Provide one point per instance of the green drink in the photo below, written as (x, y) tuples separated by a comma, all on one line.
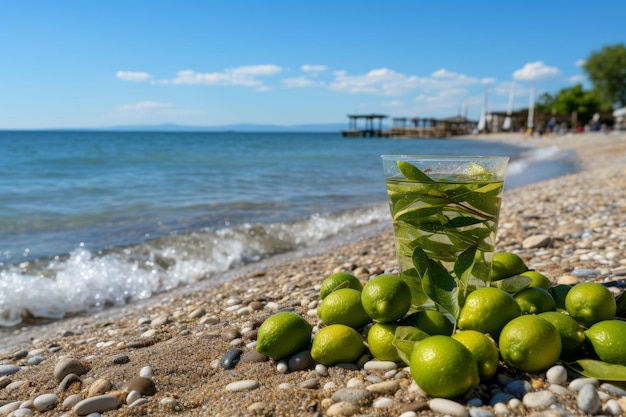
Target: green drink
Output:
[(444, 211)]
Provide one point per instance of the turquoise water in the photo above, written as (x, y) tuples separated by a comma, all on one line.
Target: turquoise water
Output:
[(100, 218)]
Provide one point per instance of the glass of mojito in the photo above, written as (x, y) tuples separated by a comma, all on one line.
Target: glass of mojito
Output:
[(444, 212)]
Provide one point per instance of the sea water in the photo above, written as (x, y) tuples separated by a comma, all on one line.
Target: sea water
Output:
[(90, 219)]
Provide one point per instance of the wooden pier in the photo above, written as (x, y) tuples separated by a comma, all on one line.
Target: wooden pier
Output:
[(370, 129), (404, 127)]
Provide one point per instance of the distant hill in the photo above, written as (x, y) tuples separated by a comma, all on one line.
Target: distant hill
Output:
[(241, 127)]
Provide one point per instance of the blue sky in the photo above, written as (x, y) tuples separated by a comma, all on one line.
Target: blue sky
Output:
[(207, 63)]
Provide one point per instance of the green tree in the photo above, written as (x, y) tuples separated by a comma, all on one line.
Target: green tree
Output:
[(570, 100), (606, 69)]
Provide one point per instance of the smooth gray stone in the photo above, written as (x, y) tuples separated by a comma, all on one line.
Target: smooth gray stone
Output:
[(97, 404), (9, 369)]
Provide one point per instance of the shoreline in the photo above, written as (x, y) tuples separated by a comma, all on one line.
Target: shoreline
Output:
[(181, 335)]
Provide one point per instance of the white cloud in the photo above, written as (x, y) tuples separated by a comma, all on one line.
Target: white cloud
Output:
[(385, 81), (239, 76), (297, 82), (444, 73), (143, 105), (577, 79), (581, 62), (536, 71), (134, 76), (313, 68)]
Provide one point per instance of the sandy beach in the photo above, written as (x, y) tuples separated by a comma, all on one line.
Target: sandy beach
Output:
[(571, 228)]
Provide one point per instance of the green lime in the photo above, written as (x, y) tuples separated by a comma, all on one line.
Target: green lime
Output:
[(380, 339), (484, 350), (607, 339), (283, 334), (505, 265), (337, 343), (386, 298), (590, 302), (443, 367), (534, 300), (343, 307), (488, 310), (572, 334), (538, 279), (337, 281), (530, 343), (432, 322)]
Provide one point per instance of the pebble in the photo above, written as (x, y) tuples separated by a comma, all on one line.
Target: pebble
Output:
[(9, 408), (501, 408), (300, 361), (35, 360), (480, 412), (588, 399), (613, 389), (138, 402), (380, 366), (7, 370), (254, 356), (143, 385), (557, 375), (383, 388), (231, 359), (243, 385), (146, 372), (120, 359), (352, 395), (170, 403), (539, 399), (98, 404), (537, 241), (68, 366), (612, 408), (343, 409), (132, 397), (67, 382), (584, 273), (448, 407), (310, 383), (45, 402), (99, 386), (500, 397), (322, 370), (578, 383), (518, 387), (383, 402), (560, 390), (71, 400)]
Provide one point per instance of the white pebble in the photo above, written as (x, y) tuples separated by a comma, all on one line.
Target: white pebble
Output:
[(578, 383), (282, 367), (501, 408), (285, 385), (343, 408), (243, 385), (146, 372), (383, 402), (148, 333), (45, 402), (444, 406), (132, 397), (355, 383), (588, 399), (560, 390), (557, 375), (330, 385), (71, 401), (380, 366), (409, 414), (539, 399), (321, 370), (612, 408)]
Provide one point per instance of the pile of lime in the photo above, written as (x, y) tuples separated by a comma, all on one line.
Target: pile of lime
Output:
[(519, 321)]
